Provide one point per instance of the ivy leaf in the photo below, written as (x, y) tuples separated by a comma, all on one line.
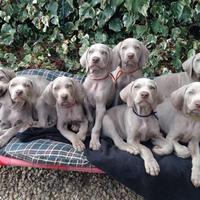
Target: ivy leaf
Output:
[(115, 25), (86, 12), (191, 53), (100, 37), (52, 7), (7, 34)]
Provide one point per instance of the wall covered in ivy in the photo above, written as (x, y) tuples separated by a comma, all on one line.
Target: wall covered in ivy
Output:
[(54, 33)]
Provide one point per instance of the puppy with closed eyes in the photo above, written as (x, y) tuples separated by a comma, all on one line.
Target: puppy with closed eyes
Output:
[(136, 122), (179, 118), (131, 57), (69, 98), (98, 61)]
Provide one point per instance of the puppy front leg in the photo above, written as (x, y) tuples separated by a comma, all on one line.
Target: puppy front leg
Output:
[(150, 163), (11, 132), (94, 142), (72, 137), (83, 130), (86, 105), (195, 154)]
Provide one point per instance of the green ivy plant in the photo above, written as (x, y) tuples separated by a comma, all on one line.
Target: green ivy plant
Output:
[(53, 34)]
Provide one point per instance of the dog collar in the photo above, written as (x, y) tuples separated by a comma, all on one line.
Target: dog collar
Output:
[(121, 71), (150, 114)]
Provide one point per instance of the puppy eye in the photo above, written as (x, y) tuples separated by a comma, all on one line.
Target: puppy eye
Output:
[(26, 85), (136, 86), (68, 86), (124, 48), (56, 88), (2, 77), (103, 52), (191, 92), (91, 51), (152, 88), (198, 60), (12, 85), (137, 47)]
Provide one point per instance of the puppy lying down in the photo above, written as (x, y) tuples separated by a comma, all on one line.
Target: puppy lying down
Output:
[(136, 122), (179, 117)]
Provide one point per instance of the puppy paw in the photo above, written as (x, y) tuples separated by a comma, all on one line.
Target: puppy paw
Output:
[(195, 178), (130, 148), (78, 145), (81, 136), (95, 144), (165, 150), (182, 151), (3, 141), (152, 167), (75, 127)]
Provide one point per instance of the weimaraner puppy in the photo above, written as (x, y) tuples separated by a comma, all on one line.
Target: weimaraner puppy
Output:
[(19, 108), (131, 57), (5, 76), (179, 117), (136, 122), (100, 88), (69, 97), (21, 102), (170, 82)]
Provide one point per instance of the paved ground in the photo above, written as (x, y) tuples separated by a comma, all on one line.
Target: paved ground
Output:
[(35, 184)]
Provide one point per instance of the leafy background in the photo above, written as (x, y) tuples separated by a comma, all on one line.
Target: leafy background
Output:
[(53, 34)]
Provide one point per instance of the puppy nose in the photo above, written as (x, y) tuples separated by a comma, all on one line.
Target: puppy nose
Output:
[(64, 97), (197, 104), (1, 91), (130, 55), (95, 59), (19, 92), (144, 94)]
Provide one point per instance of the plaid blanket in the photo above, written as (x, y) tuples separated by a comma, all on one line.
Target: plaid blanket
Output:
[(49, 75)]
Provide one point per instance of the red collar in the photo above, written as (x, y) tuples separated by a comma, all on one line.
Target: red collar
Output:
[(100, 78), (121, 71)]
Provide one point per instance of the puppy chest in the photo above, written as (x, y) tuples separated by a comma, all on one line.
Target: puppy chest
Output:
[(147, 129), (71, 115)]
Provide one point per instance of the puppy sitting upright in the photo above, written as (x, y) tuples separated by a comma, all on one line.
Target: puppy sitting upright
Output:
[(98, 84), (136, 122), (70, 100), (131, 57), (180, 119)]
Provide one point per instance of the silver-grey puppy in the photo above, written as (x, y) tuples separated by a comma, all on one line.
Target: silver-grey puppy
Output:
[(136, 122), (179, 117), (100, 88), (69, 98), (131, 57)]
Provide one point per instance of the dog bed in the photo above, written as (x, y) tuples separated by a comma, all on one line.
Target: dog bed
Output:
[(47, 148)]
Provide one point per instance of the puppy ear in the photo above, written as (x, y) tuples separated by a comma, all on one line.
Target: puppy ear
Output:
[(8, 73), (177, 97), (47, 95), (116, 56), (79, 91), (188, 66), (144, 55), (83, 59), (126, 94)]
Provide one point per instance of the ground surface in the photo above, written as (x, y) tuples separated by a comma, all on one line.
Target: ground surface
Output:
[(35, 184)]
